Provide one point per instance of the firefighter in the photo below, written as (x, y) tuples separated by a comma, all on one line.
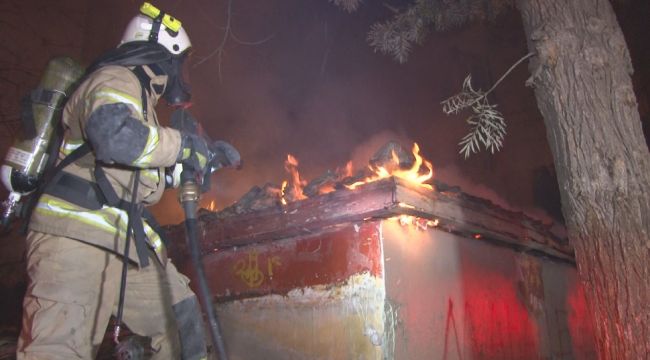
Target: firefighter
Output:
[(112, 164)]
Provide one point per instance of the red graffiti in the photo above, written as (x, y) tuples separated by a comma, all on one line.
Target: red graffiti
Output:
[(497, 323), (580, 321), (451, 324)]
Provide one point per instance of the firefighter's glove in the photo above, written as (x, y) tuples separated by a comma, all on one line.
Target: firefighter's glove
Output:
[(194, 153), (223, 155)]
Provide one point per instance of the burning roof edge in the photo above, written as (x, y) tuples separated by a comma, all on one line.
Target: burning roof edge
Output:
[(453, 211)]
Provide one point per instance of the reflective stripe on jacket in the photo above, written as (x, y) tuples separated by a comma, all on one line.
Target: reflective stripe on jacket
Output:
[(106, 227)]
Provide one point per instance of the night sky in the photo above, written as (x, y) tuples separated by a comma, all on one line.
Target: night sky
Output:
[(298, 77)]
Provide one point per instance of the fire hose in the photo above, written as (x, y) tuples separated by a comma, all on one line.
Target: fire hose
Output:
[(137, 347), (222, 155), (189, 197)]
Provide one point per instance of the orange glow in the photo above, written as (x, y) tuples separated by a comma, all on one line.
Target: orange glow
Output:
[(297, 184), (414, 221), (346, 171), (477, 236), (212, 206), (405, 205), (413, 174), (282, 192), (326, 189), (293, 189)]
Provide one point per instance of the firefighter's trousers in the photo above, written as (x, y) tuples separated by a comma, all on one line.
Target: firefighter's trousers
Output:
[(73, 290)]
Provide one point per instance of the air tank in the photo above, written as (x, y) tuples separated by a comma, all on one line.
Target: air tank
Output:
[(26, 160)]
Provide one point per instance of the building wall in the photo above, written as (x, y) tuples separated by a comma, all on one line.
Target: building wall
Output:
[(382, 290), (458, 298), (313, 297)]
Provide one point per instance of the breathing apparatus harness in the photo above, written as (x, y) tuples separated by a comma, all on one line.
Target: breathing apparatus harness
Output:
[(94, 195)]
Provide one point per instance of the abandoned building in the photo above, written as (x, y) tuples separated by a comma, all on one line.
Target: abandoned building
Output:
[(392, 269)]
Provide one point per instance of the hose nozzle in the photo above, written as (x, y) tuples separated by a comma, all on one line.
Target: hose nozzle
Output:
[(189, 191)]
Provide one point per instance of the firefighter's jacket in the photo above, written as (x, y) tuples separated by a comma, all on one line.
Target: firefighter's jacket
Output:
[(106, 227)]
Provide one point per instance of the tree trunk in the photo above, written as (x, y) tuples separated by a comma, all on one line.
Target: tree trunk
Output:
[(581, 76)]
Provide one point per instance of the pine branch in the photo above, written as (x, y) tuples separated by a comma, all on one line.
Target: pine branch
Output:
[(397, 35), (347, 5), (487, 125), (394, 37)]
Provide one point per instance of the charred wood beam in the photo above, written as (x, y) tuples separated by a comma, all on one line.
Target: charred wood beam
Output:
[(455, 211)]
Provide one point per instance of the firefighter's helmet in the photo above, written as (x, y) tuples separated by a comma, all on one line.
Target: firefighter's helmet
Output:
[(154, 25)]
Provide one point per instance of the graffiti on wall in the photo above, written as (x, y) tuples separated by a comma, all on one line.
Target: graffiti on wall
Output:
[(249, 271)]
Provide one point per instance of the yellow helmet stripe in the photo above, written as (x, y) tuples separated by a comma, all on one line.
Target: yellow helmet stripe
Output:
[(153, 12)]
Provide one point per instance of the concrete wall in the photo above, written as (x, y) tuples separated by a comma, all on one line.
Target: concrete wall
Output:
[(342, 321), (458, 298), (314, 297), (435, 295)]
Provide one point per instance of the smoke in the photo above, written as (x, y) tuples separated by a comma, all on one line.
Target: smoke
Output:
[(317, 91), (364, 151), (452, 176)]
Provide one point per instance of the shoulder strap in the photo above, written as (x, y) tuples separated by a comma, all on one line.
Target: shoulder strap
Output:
[(145, 79), (133, 209), (136, 212), (51, 177)]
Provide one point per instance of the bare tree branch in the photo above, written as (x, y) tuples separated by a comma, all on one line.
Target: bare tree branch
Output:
[(219, 51), (228, 33), (250, 43)]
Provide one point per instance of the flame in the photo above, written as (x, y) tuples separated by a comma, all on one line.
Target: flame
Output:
[(413, 174), (212, 206), (297, 184), (283, 192), (405, 205), (345, 172), (293, 189), (341, 173), (326, 189), (416, 222)]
